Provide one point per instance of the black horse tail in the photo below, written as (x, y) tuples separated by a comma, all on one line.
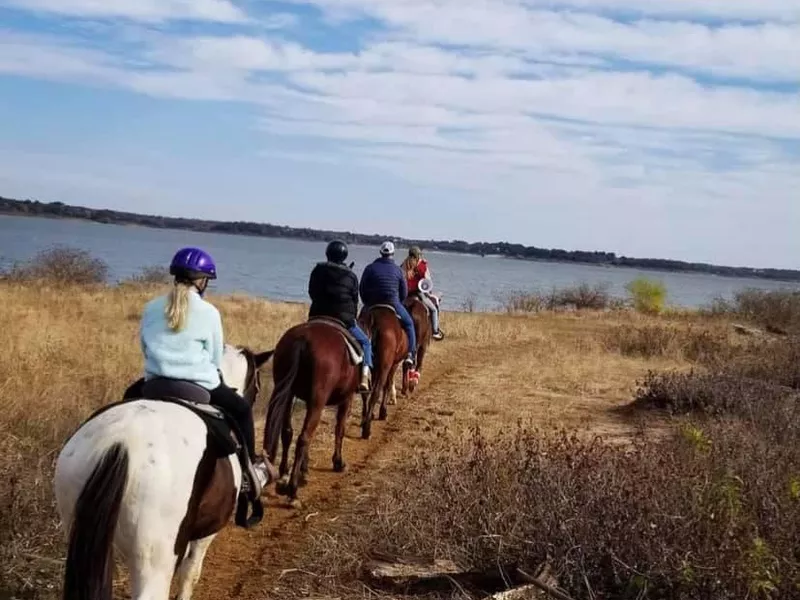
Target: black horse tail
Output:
[(90, 564), (281, 402)]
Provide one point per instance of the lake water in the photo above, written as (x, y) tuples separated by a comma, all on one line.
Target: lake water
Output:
[(279, 269)]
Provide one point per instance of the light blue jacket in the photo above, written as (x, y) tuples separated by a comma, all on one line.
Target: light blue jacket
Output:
[(193, 354)]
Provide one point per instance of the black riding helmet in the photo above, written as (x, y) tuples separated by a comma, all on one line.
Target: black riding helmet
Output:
[(336, 251)]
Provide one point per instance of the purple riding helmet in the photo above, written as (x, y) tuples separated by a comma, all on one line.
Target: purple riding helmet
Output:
[(193, 263)]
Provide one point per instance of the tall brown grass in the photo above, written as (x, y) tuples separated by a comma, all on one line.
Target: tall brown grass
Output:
[(710, 511), (66, 351), (626, 519)]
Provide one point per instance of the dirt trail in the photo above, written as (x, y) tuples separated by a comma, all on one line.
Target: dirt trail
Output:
[(458, 388)]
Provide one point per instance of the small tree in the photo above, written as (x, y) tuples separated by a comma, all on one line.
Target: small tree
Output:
[(648, 296)]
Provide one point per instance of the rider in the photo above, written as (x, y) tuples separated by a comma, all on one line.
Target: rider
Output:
[(333, 289), (181, 338), (383, 283), (415, 268)]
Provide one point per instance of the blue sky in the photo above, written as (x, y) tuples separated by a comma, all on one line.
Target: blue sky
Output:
[(663, 128)]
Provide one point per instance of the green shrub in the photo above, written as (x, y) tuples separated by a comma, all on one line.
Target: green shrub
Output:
[(648, 296)]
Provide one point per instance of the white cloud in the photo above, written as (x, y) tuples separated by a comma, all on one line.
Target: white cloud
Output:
[(777, 10), (221, 11), (519, 104), (766, 51)]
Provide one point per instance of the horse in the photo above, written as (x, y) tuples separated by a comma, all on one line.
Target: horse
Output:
[(156, 480), (389, 347), (424, 330), (317, 361)]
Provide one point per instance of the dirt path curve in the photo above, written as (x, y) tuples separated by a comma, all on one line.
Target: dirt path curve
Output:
[(248, 564), (464, 383)]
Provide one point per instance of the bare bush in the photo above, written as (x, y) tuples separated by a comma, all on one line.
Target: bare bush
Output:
[(61, 264), (777, 310), (580, 297), (710, 513), (152, 275), (696, 344)]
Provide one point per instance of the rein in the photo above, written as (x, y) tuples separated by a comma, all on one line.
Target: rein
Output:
[(254, 385)]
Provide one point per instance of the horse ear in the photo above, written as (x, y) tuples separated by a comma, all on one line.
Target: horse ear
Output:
[(261, 359)]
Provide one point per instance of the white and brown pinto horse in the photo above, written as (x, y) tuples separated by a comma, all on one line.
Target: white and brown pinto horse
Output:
[(147, 477)]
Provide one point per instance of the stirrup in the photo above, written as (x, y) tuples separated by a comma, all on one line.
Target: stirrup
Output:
[(254, 480)]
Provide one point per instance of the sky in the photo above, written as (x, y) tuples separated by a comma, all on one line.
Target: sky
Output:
[(650, 128)]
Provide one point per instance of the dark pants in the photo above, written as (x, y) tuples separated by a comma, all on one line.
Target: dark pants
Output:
[(228, 400)]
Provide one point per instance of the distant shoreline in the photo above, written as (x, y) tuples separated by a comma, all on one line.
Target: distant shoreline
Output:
[(58, 210)]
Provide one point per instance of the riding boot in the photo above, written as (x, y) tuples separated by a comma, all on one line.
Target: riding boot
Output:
[(365, 379), (257, 477)]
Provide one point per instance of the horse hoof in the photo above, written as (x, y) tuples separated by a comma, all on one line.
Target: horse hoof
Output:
[(295, 504), (382, 415), (365, 433), (284, 488), (339, 466)]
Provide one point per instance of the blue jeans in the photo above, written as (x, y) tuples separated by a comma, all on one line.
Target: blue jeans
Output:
[(365, 342), (408, 325)]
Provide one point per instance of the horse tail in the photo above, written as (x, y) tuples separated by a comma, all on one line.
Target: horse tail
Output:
[(90, 565), (281, 401)]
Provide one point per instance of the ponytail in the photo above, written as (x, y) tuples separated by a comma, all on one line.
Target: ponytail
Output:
[(177, 306)]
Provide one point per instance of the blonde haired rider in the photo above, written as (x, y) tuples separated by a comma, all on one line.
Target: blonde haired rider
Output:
[(415, 268)]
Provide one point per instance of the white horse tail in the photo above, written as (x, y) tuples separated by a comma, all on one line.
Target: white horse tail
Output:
[(90, 561)]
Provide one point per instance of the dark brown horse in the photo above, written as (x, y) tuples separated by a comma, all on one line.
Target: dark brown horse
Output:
[(312, 362), (424, 330), (389, 347)]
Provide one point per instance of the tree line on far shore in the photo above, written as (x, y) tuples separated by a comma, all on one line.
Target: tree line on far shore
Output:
[(505, 249)]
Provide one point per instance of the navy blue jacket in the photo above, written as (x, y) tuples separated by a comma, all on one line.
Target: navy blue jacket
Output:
[(383, 283)]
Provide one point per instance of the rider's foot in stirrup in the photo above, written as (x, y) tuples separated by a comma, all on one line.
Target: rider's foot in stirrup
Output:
[(438, 335), (365, 380), (259, 477), (409, 361)]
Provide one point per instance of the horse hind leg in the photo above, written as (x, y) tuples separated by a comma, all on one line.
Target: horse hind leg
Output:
[(389, 392), (191, 567), (342, 413), (300, 466), (286, 443), (369, 407), (151, 572)]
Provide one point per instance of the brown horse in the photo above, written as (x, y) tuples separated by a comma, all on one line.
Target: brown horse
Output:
[(424, 330), (313, 363), (389, 347)]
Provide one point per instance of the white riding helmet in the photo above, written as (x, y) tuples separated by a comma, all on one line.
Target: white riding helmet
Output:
[(387, 249)]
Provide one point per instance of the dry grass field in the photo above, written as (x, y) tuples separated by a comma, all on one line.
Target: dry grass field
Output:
[(428, 483)]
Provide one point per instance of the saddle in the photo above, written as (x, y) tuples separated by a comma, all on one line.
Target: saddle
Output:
[(222, 429), (387, 306), (417, 295), (224, 433), (354, 349)]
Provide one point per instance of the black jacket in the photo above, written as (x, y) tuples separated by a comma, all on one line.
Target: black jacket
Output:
[(333, 289)]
